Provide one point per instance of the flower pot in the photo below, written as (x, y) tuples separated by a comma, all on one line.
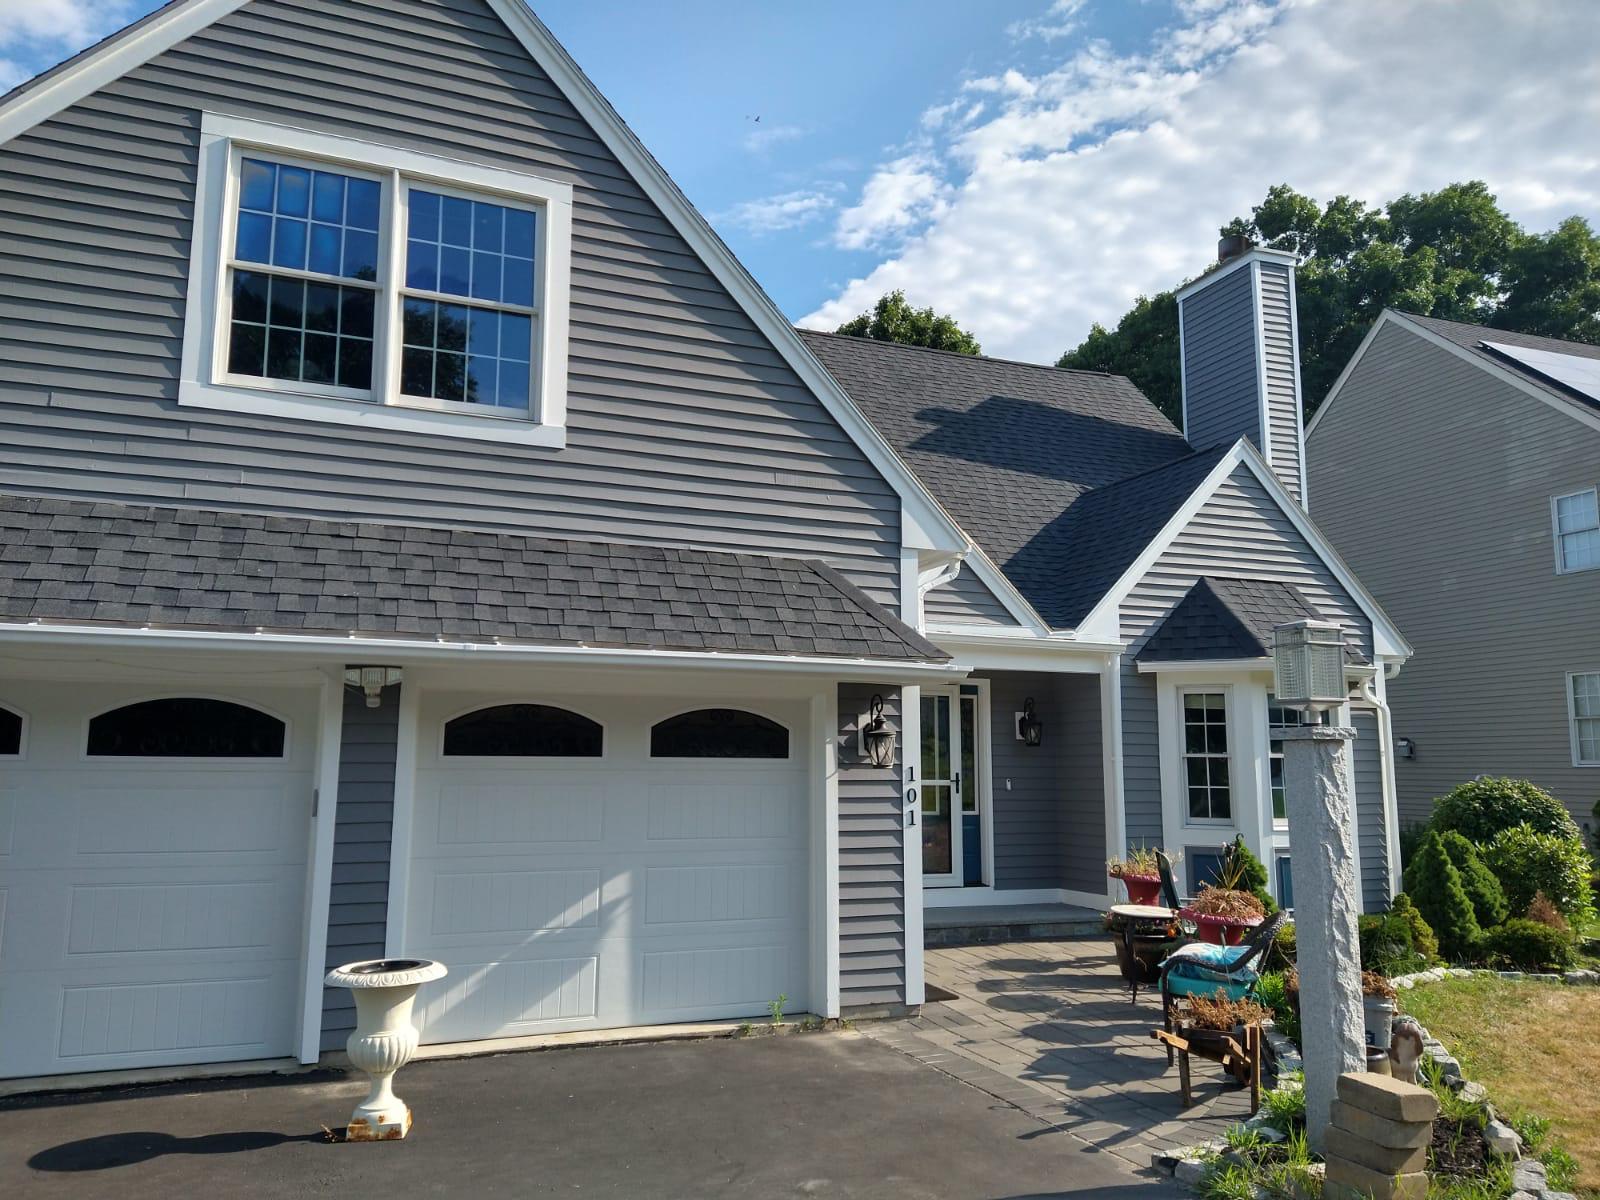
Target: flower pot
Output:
[(385, 1039), (1142, 889), (1219, 931), (1379, 1017)]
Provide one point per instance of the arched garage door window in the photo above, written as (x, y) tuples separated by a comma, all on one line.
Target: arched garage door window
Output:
[(10, 733), (719, 733), (186, 727), (523, 731)]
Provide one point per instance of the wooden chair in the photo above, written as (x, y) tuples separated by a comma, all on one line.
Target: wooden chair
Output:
[(1235, 976)]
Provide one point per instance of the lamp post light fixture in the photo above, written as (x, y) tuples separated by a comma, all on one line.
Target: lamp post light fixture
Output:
[(1029, 728), (877, 736), (1308, 666)]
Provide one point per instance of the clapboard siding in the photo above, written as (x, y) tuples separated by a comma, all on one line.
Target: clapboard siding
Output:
[(1083, 814), (1434, 480), (1240, 532), (872, 918), (685, 424), (1372, 830), (1222, 397), (965, 600), (1278, 353), (358, 897)]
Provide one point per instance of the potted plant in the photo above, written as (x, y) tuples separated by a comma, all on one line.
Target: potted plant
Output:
[(1223, 915), (1140, 874)]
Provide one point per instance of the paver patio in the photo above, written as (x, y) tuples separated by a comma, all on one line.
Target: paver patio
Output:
[(1048, 1027)]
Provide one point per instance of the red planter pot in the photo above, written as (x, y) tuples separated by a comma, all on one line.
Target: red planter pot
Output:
[(1142, 889), (1219, 931)]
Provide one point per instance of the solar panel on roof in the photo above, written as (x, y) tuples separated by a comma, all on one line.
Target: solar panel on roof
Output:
[(1573, 371)]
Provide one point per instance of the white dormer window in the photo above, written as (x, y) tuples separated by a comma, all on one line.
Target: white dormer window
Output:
[(1577, 531), (336, 281)]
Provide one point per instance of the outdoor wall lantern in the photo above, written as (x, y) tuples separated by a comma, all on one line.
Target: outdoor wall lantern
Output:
[(1308, 666), (1030, 730), (877, 736), (1406, 747), (372, 681)]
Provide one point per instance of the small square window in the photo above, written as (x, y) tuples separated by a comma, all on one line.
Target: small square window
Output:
[(1585, 714), (1577, 531)]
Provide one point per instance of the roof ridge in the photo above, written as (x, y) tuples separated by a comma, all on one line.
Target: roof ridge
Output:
[(957, 354), (1171, 462), (892, 621)]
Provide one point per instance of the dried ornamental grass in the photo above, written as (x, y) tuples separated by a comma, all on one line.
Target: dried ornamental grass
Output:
[(1222, 1014), (1227, 902)]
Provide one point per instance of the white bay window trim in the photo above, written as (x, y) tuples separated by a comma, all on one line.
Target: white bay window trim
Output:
[(205, 381)]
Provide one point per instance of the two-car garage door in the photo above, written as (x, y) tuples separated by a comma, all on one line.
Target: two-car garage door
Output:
[(633, 864)]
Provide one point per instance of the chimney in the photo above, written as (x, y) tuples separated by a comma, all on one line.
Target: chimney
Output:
[(1240, 358)]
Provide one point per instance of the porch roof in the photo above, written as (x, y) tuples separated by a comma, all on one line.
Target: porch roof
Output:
[(1226, 619), (121, 565)]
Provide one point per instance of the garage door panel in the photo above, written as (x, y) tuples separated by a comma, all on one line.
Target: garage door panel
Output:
[(496, 814), (741, 892), (197, 1015), (734, 979), (10, 797), (721, 807), (122, 918), (508, 999), (217, 814), (506, 901)]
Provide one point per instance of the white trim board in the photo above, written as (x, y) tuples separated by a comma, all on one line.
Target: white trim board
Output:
[(1251, 256), (319, 876), (926, 524), (990, 897)]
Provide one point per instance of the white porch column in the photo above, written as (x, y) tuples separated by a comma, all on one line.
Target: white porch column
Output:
[(911, 822), (1316, 762)]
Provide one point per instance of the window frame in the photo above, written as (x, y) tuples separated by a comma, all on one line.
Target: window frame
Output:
[(733, 761), (205, 381), (490, 761), (1279, 824), (1227, 756), (1574, 740), (22, 734), (201, 761), (1556, 534)]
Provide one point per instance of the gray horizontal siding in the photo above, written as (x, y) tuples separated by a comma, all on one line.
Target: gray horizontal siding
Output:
[(965, 600), (1372, 829), (1434, 481), (1283, 409), (1083, 813), (685, 425), (358, 898), (1222, 398), (872, 929), (1239, 532)]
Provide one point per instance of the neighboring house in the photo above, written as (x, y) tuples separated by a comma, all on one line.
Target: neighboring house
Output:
[(419, 536), (1456, 467)]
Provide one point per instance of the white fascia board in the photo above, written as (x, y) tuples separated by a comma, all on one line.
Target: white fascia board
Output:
[(399, 651), (1204, 666), (111, 61), (978, 650), (1384, 318), (1253, 255), (188, 17)]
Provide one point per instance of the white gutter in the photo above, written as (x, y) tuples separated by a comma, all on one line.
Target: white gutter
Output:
[(399, 651), (1391, 802)]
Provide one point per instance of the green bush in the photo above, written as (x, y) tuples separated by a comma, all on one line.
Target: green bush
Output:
[(1273, 992), (1243, 871), (1422, 939), (1482, 808), (1529, 946), (1435, 887), (1527, 862), (1387, 946), (1483, 889)]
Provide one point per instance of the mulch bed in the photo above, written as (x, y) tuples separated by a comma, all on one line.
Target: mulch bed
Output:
[(1458, 1148)]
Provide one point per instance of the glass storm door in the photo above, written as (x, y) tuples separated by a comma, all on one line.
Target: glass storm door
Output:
[(951, 835)]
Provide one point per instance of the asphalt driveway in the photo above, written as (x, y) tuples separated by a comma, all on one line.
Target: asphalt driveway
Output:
[(816, 1115)]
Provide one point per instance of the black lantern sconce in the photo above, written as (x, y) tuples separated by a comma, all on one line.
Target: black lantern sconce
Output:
[(877, 737), (1030, 730)]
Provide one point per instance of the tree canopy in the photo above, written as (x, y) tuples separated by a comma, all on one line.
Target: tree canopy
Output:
[(894, 320), (1454, 253)]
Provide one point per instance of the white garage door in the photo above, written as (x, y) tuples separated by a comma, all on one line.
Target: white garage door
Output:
[(152, 877), (572, 879)]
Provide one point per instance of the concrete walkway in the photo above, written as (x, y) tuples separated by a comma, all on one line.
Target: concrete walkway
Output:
[(1048, 1027)]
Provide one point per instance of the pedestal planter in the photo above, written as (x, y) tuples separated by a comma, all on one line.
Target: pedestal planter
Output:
[(1142, 889), (1219, 931), (385, 1039)]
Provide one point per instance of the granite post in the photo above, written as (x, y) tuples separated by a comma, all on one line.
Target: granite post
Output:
[(1316, 765)]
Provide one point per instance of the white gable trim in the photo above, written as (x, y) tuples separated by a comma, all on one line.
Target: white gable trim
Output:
[(1504, 374), (1263, 406), (993, 578), (925, 525), (1104, 621), (1250, 257)]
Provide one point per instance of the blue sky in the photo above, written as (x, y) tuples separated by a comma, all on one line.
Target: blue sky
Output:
[(1033, 165)]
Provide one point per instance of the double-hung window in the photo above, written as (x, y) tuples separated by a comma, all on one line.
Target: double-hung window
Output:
[(337, 281), (1205, 756), (1577, 530), (1279, 718), (1583, 701)]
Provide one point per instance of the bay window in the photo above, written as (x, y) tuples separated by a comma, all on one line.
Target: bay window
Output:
[(1205, 756)]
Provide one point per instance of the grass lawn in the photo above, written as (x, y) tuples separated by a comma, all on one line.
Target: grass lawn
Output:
[(1533, 1045)]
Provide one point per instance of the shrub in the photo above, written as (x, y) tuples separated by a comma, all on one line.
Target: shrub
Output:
[(1542, 912), (1529, 946), (1273, 990), (1282, 952), (1528, 861), (1482, 808), (1435, 887), (1483, 889), (1422, 939), (1243, 871), (1388, 945), (1410, 839)]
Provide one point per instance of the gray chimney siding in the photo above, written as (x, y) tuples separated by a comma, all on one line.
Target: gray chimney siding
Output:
[(1285, 446)]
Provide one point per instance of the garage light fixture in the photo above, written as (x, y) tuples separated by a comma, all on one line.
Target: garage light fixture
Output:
[(877, 736), (372, 681), (1030, 730)]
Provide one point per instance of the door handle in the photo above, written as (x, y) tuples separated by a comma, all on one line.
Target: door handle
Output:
[(957, 782)]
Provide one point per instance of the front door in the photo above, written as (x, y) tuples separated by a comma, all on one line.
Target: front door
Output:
[(952, 834)]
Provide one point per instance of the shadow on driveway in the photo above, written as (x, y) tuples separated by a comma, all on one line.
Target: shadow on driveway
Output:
[(125, 1149)]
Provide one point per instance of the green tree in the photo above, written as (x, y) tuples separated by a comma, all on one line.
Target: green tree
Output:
[(892, 319), (1483, 889), (1435, 887), (1452, 253)]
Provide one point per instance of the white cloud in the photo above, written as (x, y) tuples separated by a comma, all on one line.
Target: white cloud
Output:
[(787, 210), (1057, 21), (1107, 176), (764, 137), (36, 34)]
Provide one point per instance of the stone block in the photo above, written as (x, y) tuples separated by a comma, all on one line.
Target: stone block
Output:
[(1582, 978), (1190, 1171), (1503, 1140), (1472, 1092), (1385, 1096), (1396, 1135), (1350, 1181), (1529, 1175), (1387, 1160)]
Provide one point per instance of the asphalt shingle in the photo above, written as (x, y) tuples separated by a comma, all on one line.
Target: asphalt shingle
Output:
[(1226, 619), (1472, 337)]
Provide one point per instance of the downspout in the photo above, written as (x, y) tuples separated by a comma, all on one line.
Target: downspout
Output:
[(1391, 803)]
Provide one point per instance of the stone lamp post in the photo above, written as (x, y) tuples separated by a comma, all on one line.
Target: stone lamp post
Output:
[(384, 1040), (1308, 674)]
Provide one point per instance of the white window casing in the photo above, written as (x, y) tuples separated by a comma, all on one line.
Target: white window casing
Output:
[(205, 380), (1583, 717), (1575, 524)]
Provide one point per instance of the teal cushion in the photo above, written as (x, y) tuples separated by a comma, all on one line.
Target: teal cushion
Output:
[(1208, 954)]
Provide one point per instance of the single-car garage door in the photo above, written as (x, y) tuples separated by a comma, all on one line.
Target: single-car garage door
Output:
[(626, 864), (152, 876)]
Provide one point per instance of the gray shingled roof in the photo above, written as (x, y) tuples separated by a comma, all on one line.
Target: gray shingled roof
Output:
[(1012, 448), (70, 560), (1472, 337), (1226, 619)]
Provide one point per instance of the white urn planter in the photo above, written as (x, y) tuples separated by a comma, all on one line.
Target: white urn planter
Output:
[(385, 1039)]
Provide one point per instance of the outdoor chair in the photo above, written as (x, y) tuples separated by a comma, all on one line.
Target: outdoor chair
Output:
[(1203, 969)]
